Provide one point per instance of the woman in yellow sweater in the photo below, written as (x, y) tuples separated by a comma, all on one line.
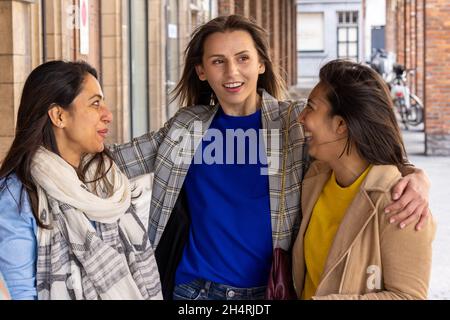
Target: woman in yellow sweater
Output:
[(346, 248)]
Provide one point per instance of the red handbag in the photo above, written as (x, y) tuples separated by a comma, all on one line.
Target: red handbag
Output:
[(281, 284)]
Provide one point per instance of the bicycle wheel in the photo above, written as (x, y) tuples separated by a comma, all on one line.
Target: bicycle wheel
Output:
[(403, 112), (415, 112)]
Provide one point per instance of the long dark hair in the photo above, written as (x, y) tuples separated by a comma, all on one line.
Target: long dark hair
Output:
[(191, 91), (55, 82), (361, 97)]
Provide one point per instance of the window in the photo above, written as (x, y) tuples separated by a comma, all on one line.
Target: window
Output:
[(310, 32), (347, 35), (139, 100)]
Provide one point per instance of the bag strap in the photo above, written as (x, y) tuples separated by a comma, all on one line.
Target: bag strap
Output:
[(283, 167)]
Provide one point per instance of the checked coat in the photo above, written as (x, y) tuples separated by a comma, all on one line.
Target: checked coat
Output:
[(168, 152)]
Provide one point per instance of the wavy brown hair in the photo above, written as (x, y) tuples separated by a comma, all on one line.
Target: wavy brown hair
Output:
[(191, 91), (55, 82), (360, 96)]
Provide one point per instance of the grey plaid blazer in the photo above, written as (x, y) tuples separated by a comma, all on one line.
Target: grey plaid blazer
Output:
[(159, 153)]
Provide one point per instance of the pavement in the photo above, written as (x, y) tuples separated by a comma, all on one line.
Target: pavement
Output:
[(437, 169)]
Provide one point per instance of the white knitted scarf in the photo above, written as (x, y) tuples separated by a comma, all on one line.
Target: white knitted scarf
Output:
[(97, 247)]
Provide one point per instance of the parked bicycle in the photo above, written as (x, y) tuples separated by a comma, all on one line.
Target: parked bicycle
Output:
[(409, 106)]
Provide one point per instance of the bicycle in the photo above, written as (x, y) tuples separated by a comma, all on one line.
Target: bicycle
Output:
[(408, 105)]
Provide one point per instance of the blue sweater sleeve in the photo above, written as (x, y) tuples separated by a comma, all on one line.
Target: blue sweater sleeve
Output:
[(18, 242)]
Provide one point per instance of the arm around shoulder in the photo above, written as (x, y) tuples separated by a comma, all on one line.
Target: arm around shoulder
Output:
[(137, 157)]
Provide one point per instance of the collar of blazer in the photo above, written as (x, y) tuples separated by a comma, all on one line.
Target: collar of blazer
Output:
[(269, 108), (358, 214)]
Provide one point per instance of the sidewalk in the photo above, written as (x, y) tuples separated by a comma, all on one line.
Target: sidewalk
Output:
[(437, 169)]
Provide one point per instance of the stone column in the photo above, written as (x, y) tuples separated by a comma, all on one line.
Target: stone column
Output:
[(15, 63), (114, 75), (437, 81), (61, 30), (157, 63), (390, 29)]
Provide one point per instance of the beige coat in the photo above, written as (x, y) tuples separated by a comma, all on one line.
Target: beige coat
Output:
[(369, 258)]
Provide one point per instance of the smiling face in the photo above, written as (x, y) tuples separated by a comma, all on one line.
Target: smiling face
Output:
[(232, 66), (82, 128), (326, 133)]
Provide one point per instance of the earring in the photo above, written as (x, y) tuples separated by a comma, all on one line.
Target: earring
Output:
[(212, 101)]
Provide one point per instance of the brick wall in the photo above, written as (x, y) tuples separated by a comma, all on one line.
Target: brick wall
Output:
[(113, 74), (390, 29), (420, 58), (400, 22), (18, 31), (421, 41), (437, 82)]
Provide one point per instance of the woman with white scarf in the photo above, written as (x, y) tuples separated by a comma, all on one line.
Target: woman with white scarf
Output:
[(68, 228)]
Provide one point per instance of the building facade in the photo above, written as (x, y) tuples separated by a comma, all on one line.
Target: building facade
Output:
[(418, 31), (327, 30), (136, 45), (374, 15)]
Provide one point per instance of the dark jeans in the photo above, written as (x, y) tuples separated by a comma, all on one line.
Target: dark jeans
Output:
[(207, 290)]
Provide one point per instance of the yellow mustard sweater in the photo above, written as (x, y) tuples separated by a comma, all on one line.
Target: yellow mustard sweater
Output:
[(326, 217)]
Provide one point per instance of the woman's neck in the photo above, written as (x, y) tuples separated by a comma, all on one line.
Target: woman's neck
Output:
[(71, 158), (67, 151), (348, 169), (248, 107)]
